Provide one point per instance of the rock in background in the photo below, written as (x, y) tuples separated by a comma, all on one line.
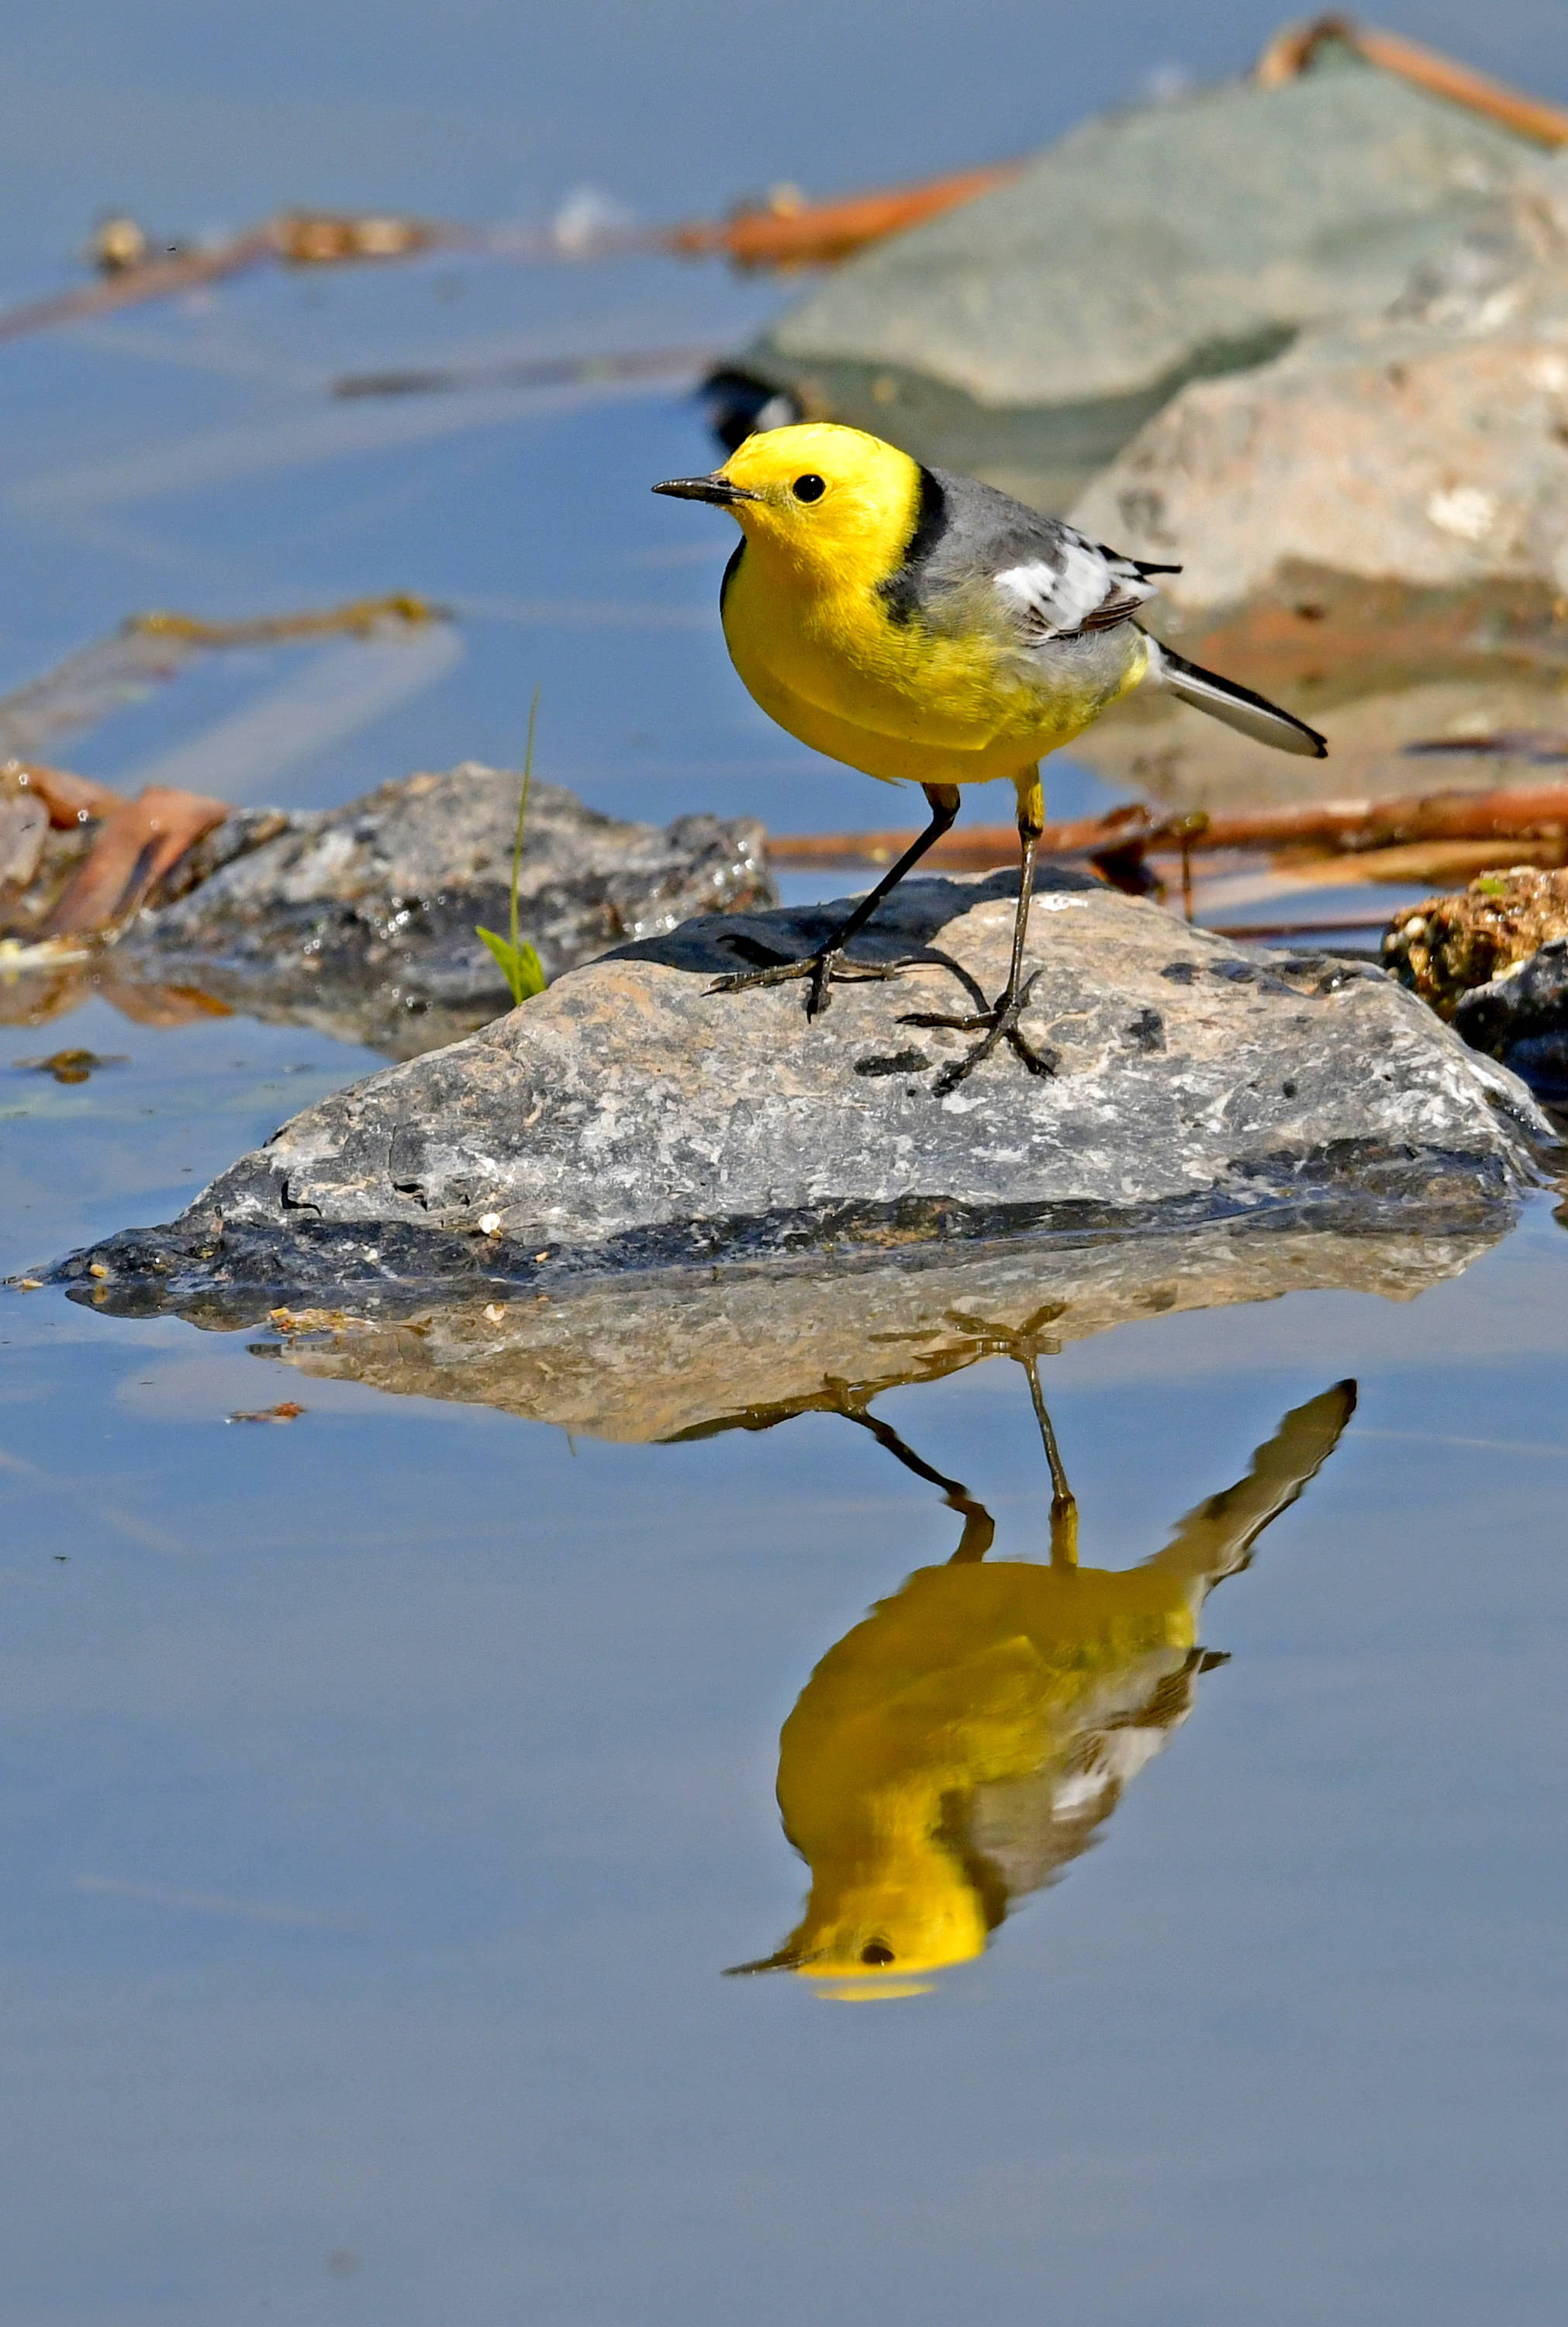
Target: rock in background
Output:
[(1521, 1018), (1030, 333), (1445, 945), (1374, 526), (362, 918), (1429, 442), (1494, 958)]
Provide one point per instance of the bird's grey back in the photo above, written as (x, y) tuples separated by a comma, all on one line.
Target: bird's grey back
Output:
[(966, 532)]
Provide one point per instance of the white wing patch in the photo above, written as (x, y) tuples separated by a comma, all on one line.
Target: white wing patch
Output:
[(1080, 587)]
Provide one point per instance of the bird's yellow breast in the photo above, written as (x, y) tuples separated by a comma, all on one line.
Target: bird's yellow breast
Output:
[(896, 699)]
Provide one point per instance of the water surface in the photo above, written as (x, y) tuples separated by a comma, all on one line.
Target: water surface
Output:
[(386, 1791)]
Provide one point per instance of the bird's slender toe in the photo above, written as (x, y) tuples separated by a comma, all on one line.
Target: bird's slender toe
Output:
[(823, 969), (996, 1026), (969, 1026)]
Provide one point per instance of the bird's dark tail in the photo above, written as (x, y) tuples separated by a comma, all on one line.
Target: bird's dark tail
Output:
[(1237, 706)]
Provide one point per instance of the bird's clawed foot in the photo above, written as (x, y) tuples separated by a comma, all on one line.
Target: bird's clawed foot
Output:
[(828, 967), (999, 1025)]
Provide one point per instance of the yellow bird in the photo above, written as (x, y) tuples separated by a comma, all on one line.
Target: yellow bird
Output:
[(925, 628), (962, 1745)]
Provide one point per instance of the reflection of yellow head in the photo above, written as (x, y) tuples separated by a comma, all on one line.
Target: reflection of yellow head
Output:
[(898, 1924), (898, 1906), (965, 1740)]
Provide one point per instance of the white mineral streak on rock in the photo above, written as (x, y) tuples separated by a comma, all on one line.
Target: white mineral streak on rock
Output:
[(1465, 510)]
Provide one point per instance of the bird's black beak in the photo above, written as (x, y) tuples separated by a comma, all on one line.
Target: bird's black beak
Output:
[(717, 489), (787, 1959)]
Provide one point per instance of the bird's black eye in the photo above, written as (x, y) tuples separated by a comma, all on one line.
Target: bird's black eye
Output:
[(874, 1952), (808, 488)]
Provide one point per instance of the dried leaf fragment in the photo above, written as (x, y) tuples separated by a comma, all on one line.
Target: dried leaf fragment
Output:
[(290, 1322), (71, 1066)]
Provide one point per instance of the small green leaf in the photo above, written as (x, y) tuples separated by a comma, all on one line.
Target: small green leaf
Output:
[(519, 964), (530, 972), (1492, 884)]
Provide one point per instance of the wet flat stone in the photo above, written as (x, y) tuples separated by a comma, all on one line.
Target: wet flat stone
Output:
[(633, 1116)]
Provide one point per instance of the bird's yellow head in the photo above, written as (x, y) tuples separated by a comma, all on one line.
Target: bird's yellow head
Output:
[(826, 500)]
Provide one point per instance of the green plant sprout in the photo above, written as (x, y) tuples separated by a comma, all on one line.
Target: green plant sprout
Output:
[(519, 964)]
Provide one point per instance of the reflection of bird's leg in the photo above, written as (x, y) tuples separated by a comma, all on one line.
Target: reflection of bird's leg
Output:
[(1026, 1343), (1063, 1501), (979, 1527), (827, 963), (1001, 1023)]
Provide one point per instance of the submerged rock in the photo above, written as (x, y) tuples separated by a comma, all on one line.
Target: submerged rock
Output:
[(1031, 333), (362, 918), (630, 1114)]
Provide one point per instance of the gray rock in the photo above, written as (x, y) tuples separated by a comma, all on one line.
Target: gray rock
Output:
[(362, 918), (630, 1114), (1370, 530), (1522, 1019), (1425, 447), (1030, 332)]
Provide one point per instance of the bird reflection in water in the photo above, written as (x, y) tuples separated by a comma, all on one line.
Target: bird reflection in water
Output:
[(957, 1749)]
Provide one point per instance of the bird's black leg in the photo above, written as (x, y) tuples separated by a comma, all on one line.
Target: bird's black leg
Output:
[(828, 965), (1000, 1023)]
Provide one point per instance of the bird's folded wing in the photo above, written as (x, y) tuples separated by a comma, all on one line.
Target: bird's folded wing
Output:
[(1069, 588)]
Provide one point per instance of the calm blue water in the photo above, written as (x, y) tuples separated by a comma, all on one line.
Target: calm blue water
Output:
[(384, 1794)]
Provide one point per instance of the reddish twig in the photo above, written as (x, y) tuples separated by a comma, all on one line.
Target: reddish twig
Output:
[(1530, 812), (1291, 52)]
